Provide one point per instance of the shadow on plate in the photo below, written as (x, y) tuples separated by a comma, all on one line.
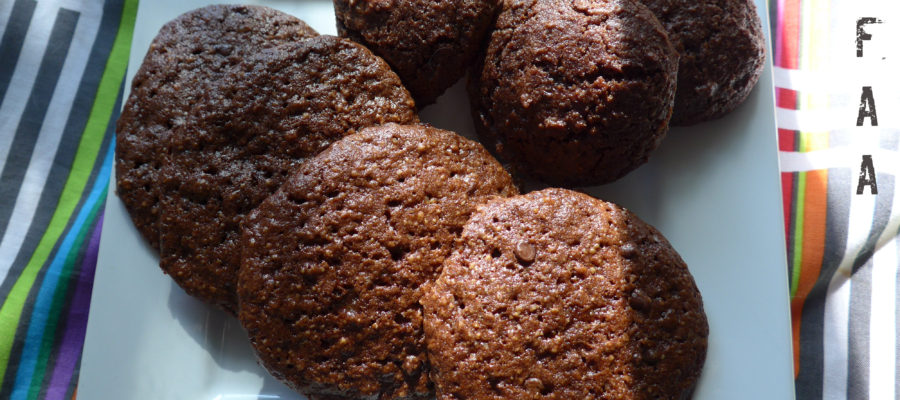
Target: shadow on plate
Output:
[(226, 342)]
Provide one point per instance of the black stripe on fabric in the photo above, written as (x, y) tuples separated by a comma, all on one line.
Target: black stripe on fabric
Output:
[(861, 295), (13, 38), (108, 140), (65, 155), (68, 145), (880, 219), (837, 218), (22, 147), (21, 331), (858, 332), (17, 163), (890, 140), (773, 26), (15, 353)]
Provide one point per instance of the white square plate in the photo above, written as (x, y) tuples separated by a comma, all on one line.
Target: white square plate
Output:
[(712, 189)]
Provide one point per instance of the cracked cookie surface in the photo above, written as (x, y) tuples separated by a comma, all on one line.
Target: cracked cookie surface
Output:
[(246, 136), (574, 92), (188, 56), (722, 53), (555, 294), (335, 262), (429, 43)]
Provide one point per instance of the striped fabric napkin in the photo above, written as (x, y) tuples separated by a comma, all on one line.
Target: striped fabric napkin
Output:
[(836, 94), (62, 66)]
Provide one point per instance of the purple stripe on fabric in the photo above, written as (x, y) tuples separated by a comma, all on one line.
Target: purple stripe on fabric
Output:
[(76, 323)]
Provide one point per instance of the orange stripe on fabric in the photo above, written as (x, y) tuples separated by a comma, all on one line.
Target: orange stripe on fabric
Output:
[(814, 216), (790, 45)]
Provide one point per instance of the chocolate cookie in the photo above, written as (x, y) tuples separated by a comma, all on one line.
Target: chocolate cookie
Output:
[(574, 92), (429, 43), (188, 55), (246, 135), (722, 51), (555, 294), (334, 262)]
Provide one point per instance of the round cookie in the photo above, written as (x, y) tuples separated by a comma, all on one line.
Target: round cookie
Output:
[(188, 55), (555, 294), (334, 263), (574, 92), (429, 43), (722, 50), (246, 135)]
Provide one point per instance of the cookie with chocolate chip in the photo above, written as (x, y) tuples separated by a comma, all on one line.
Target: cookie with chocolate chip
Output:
[(186, 58), (555, 294), (335, 262)]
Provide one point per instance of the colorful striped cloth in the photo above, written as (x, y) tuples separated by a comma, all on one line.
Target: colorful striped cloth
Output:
[(835, 61), (62, 66)]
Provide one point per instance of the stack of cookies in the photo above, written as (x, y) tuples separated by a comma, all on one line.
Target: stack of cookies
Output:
[(571, 92), (227, 103), (284, 177)]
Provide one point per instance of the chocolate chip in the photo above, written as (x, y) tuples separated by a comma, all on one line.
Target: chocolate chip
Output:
[(651, 356), (524, 252), (628, 250), (223, 49), (639, 301), (411, 364), (534, 384)]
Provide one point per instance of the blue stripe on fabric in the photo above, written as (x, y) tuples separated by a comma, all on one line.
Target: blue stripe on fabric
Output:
[(44, 300)]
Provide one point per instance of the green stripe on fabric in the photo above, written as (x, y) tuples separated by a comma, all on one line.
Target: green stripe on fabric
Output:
[(85, 157), (798, 220), (59, 298), (798, 233)]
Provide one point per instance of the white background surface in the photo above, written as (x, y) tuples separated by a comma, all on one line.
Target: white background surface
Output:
[(712, 189)]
